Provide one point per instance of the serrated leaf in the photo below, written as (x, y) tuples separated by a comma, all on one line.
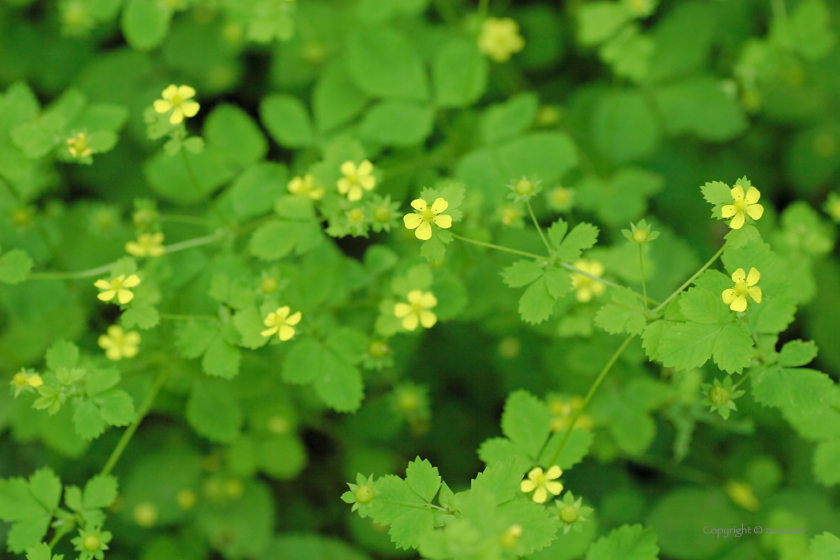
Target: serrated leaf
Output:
[(62, 354), (249, 324), (687, 345), (651, 338), (499, 480), (521, 273), (391, 489), (221, 359), (717, 194), (582, 237), (407, 530), (536, 304), (702, 306), (628, 542), (100, 491), (733, 350), (339, 384), (303, 362), (557, 231), (773, 315), (576, 448), (45, 486), (194, 338), (558, 282), (825, 547), (274, 240), (88, 421), (625, 315), (826, 459), (141, 316), (500, 450), (797, 353), (117, 408), (41, 551), (539, 524), (15, 266), (213, 411), (100, 380), (526, 421)]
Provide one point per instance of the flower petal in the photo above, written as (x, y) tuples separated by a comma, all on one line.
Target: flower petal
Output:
[(424, 231), (102, 284), (368, 182), (553, 473), (365, 168), (439, 205), (754, 277), (124, 296), (428, 300), (443, 221), (554, 487), (162, 106), (107, 296), (527, 485), (428, 319), (412, 220), (755, 293), (177, 116), (728, 296), (190, 108), (131, 281), (419, 204), (738, 221), (410, 322), (286, 332), (755, 211), (343, 186), (348, 168), (728, 211), (355, 193), (738, 275), (170, 92), (269, 332), (415, 296), (535, 473), (752, 195), (737, 193), (401, 309), (186, 92), (540, 495), (294, 319), (740, 304)]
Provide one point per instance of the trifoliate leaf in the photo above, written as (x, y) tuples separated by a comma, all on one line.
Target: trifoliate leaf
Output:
[(826, 459), (339, 384), (797, 353), (423, 478), (651, 338), (407, 530), (274, 240), (62, 354), (500, 480), (29, 506), (255, 190), (287, 120), (100, 380), (521, 273), (303, 362), (141, 316), (500, 450), (733, 350), (231, 131), (249, 324), (557, 231), (702, 306), (526, 420), (87, 419), (625, 315), (773, 315), (408, 524), (117, 407), (194, 338), (687, 345), (558, 282), (100, 492), (717, 194), (576, 448), (628, 542), (335, 98), (582, 237), (221, 359), (397, 123), (213, 411), (15, 266), (536, 304), (825, 547)]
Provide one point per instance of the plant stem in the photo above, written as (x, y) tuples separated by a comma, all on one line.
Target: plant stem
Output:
[(539, 229), (198, 189), (589, 396), (62, 530), (692, 279), (417, 506), (177, 218), (642, 270), (498, 247), (141, 413), (743, 378)]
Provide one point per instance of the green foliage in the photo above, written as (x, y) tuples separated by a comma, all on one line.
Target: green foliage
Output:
[(629, 541), (30, 506)]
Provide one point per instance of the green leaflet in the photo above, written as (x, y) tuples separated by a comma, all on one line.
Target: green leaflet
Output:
[(628, 542), (29, 506)]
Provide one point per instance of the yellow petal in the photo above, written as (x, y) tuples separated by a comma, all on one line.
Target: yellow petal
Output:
[(554, 487), (428, 319), (728, 211), (368, 182), (410, 322), (107, 296), (439, 205), (443, 221), (540, 495), (419, 204), (170, 92), (105, 342), (131, 281), (424, 231), (583, 294), (130, 351), (415, 296), (286, 332), (401, 309), (737, 193), (365, 168), (355, 193), (162, 105), (752, 195), (527, 485), (740, 304), (185, 92), (348, 168), (102, 284), (755, 211), (755, 293), (125, 296), (738, 275), (428, 300), (270, 320), (729, 296), (269, 332), (534, 473), (294, 319), (132, 338), (411, 221), (283, 311), (190, 108), (553, 473), (754, 277), (738, 221), (343, 186), (177, 116)]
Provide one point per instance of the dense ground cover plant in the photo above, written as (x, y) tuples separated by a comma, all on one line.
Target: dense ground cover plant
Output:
[(273, 270)]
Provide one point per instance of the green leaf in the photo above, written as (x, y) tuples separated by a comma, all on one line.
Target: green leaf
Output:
[(314, 546), (423, 478), (702, 306), (42, 551), (625, 315), (624, 126), (383, 63), (521, 273), (255, 190), (582, 237), (339, 384), (221, 359), (397, 123), (557, 231), (117, 408), (536, 304), (558, 282), (15, 266), (526, 420), (249, 324), (547, 155), (100, 492), (718, 195), (825, 547), (700, 106), (807, 398), (598, 21), (459, 73), (141, 316), (539, 524), (62, 354), (335, 98), (145, 23), (235, 135), (29, 506), (508, 119), (276, 239), (687, 345), (100, 380), (213, 412), (677, 514), (576, 448), (287, 120), (45, 486), (408, 524), (826, 459), (304, 362), (651, 338), (194, 338), (500, 450), (500, 480), (797, 353), (773, 315), (628, 542)]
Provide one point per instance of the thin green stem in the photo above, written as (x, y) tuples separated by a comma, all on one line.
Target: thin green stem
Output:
[(539, 229), (689, 474), (179, 219), (416, 506), (589, 396), (498, 247), (642, 269), (199, 191), (62, 530), (690, 280), (743, 378), (141, 413)]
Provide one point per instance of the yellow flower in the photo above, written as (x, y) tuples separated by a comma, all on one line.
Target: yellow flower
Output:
[(281, 323), (355, 179), (421, 221), (500, 38), (78, 146), (542, 483), (117, 287), (305, 186), (119, 344), (510, 538), (416, 311), (587, 287), (741, 205), (146, 244), (23, 381), (563, 411), (178, 100), (561, 198), (736, 297)]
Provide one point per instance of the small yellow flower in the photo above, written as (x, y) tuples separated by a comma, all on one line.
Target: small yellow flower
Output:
[(587, 287), (119, 344), (736, 297), (305, 186), (422, 220), (561, 198), (563, 411), (78, 146), (146, 244), (281, 322), (500, 38), (186, 499), (23, 381), (117, 287), (416, 311), (742, 494), (542, 483), (510, 538), (355, 179), (145, 514), (741, 205), (178, 100), (510, 216)]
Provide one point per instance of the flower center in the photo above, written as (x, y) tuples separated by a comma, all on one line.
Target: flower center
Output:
[(741, 288), (356, 216), (116, 283), (278, 425), (540, 480), (740, 205), (408, 401), (91, 543), (19, 379), (427, 215), (269, 285), (382, 214), (364, 494), (176, 100), (569, 514), (378, 349), (353, 178), (524, 187), (719, 396), (640, 236)]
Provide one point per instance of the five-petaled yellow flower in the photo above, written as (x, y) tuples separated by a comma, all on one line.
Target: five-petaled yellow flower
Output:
[(500, 38), (118, 287), (23, 381), (542, 483), (146, 244), (587, 287), (742, 205), (416, 311), (736, 297), (78, 146), (119, 344), (177, 99), (355, 179), (422, 220), (281, 322), (305, 186)]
